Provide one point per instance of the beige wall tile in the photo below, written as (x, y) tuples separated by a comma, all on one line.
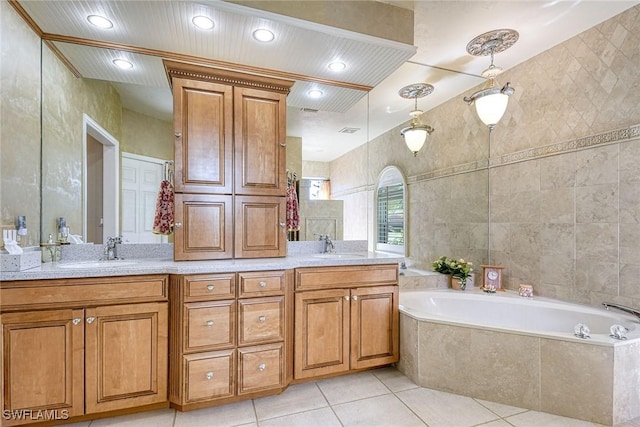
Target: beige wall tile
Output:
[(597, 166), (557, 205), (409, 362), (626, 383), (558, 171), (597, 203), (558, 239), (597, 241)]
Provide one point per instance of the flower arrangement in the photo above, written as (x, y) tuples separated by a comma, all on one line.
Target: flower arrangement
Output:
[(460, 269)]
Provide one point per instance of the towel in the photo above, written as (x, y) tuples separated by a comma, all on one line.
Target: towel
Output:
[(163, 221), (293, 211)]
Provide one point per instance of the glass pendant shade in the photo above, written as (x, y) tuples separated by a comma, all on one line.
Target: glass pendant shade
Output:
[(491, 108), (415, 137)]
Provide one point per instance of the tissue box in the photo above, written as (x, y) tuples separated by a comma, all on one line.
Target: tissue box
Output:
[(29, 258)]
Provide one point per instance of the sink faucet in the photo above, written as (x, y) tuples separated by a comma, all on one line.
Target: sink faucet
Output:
[(110, 248), (329, 246), (630, 310)]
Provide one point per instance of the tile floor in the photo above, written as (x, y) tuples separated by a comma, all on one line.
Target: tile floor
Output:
[(383, 397)]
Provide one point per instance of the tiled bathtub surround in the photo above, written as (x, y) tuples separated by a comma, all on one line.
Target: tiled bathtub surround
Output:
[(589, 382)]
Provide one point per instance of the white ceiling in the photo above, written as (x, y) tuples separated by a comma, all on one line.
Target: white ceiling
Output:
[(442, 30)]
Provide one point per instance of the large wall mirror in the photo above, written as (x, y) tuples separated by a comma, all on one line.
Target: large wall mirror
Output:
[(112, 130)]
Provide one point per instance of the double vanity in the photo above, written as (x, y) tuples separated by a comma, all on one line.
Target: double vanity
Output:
[(92, 339)]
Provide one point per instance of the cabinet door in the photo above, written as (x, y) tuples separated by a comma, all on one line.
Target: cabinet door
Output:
[(204, 227), (374, 326), (260, 228), (260, 142), (126, 356), (209, 376), (260, 368), (322, 333), (43, 364), (203, 120)]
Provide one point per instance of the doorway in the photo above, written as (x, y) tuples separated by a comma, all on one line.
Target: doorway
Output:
[(101, 182)]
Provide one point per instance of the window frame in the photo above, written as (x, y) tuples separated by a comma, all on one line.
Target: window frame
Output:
[(391, 175)]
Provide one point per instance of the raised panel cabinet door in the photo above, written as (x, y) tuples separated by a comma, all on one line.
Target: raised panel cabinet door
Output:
[(261, 368), (203, 227), (321, 333), (260, 142), (126, 356), (43, 365), (374, 326), (260, 227), (203, 126)]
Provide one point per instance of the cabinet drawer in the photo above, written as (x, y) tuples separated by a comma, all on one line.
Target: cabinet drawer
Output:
[(209, 287), (87, 291), (315, 278), (209, 325), (260, 368), (261, 320), (260, 284), (209, 375)]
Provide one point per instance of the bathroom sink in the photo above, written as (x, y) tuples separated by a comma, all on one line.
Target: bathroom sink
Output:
[(97, 264), (340, 256)]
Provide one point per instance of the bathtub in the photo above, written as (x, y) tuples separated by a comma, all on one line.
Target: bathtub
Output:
[(521, 352)]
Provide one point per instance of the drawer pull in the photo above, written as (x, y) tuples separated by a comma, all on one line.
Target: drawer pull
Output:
[(90, 319), (210, 288), (209, 323), (355, 297), (262, 318), (209, 375), (262, 367), (77, 321), (346, 297), (262, 284), (282, 144), (178, 225)]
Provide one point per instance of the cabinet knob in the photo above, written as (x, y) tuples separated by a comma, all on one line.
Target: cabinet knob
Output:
[(77, 321), (262, 367), (90, 319), (209, 323), (210, 288), (355, 297), (262, 318), (178, 134), (177, 225), (346, 297), (262, 284), (209, 375), (282, 144), (282, 224)]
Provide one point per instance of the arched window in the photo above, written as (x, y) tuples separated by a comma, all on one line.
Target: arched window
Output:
[(391, 222)]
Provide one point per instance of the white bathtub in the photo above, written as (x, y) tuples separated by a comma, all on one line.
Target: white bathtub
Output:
[(521, 352), (508, 311)]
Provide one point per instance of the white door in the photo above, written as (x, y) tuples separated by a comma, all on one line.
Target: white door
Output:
[(141, 177)]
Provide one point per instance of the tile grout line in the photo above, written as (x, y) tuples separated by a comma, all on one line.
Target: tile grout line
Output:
[(328, 403)]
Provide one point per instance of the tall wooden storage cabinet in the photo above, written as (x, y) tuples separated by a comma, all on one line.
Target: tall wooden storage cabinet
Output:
[(230, 133)]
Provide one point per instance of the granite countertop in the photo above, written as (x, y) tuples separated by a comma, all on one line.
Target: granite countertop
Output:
[(132, 266)]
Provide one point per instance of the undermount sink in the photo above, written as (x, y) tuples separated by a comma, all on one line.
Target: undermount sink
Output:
[(339, 256), (97, 264)]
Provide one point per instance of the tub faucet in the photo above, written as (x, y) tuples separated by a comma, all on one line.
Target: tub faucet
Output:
[(110, 248), (630, 310)]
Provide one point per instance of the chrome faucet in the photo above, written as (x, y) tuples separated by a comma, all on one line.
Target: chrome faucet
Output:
[(329, 246), (110, 248), (630, 310)]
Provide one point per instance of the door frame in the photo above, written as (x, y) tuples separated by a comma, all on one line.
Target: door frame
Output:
[(110, 178)]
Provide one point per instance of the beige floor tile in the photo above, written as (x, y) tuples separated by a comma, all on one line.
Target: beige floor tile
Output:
[(537, 419), (233, 414), (631, 423), (158, 418), (496, 423), (297, 398), (394, 379), (323, 417), (500, 409), (383, 411), (80, 424), (352, 387), (440, 409)]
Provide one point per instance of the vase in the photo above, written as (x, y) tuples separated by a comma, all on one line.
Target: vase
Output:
[(456, 283)]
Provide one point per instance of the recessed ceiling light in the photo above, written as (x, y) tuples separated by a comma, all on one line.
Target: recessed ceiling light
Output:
[(100, 21), (123, 63), (203, 22), (315, 93), (337, 66), (263, 35)]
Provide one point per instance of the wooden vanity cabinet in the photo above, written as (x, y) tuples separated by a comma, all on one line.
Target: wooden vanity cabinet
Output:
[(76, 347), (346, 319), (230, 337)]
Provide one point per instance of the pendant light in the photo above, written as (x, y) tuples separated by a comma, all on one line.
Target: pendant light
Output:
[(417, 134), (491, 102)]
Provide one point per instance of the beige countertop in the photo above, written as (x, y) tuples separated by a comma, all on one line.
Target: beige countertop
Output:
[(128, 267)]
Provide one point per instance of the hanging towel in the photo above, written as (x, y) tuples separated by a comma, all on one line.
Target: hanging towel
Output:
[(293, 211), (163, 221)]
